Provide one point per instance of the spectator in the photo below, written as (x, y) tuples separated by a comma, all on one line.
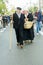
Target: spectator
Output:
[(38, 24)]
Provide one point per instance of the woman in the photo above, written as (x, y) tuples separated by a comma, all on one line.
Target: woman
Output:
[(29, 33)]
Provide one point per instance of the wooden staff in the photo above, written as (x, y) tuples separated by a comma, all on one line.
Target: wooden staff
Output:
[(11, 32)]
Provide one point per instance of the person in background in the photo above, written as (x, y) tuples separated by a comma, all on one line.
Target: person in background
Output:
[(18, 20), (38, 23), (8, 17), (5, 20), (42, 18), (1, 23)]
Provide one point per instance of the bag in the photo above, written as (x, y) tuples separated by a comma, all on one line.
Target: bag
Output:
[(28, 24)]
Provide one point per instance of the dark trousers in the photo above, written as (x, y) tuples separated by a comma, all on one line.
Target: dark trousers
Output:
[(5, 23), (19, 36)]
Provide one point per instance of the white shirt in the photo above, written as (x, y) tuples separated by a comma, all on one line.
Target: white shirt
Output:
[(19, 15)]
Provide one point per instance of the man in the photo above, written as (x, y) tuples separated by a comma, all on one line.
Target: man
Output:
[(5, 20), (18, 20), (38, 25)]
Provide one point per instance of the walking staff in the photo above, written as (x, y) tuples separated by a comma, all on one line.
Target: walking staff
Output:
[(11, 31)]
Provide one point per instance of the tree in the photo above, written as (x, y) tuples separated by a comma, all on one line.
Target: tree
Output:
[(13, 10), (33, 9), (2, 7)]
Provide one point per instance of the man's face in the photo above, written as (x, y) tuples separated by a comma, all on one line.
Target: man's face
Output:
[(18, 11)]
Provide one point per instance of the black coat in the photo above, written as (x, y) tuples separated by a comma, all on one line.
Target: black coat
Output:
[(4, 18), (18, 22), (29, 34)]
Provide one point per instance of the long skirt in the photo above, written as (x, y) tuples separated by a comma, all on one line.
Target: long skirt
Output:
[(28, 34)]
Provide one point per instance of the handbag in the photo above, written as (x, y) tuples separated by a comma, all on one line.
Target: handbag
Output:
[(28, 24)]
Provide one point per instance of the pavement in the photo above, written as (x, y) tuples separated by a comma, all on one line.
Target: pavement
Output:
[(10, 54)]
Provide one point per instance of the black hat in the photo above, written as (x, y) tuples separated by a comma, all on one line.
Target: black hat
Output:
[(19, 8)]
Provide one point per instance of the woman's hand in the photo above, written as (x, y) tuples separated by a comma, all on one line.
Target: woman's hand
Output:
[(26, 19)]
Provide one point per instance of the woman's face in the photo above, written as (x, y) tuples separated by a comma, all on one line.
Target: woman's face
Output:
[(26, 12)]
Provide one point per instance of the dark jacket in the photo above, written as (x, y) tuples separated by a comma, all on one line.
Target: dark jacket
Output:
[(30, 16), (4, 18), (39, 16), (18, 22)]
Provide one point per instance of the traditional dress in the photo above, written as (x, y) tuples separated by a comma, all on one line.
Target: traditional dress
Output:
[(29, 33)]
